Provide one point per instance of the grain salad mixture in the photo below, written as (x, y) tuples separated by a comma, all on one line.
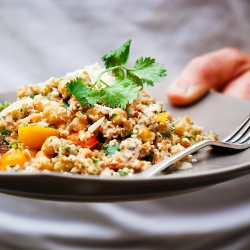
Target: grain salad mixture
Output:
[(94, 122)]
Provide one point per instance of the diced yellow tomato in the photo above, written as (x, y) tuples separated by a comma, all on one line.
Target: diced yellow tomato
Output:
[(91, 142), (13, 158), (145, 134), (161, 117), (35, 136)]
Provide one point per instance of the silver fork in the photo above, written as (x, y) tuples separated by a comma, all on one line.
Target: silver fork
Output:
[(238, 139)]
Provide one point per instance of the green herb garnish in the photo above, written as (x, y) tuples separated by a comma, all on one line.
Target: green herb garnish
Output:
[(65, 105), (111, 149), (32, 95), (112, 116), (188, 137), (168, 134), (66, 148), (4, 133), (13, 144), (122, 173), (149, 157), (128, 133), (172, 126), (95, 161), (127, 84)]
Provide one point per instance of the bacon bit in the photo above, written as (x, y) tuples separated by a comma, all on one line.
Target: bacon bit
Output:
[(136, 112), (115, 165), (3, 149), (90, 143)]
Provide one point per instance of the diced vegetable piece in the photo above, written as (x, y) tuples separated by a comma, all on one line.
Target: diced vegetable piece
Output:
[(161, 117), (35, 136), (13, 158), (145, 134), (90, 142)]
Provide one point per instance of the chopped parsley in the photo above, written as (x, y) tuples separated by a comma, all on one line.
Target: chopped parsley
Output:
[(14, 144), (4, 133), (172, 128), (122, 173), (168, 134), (66, 148), (95, 161), (188, 137), (149, 157), (32, 95), (65, 105), (111, 149), (112, 116), (127, 84), (128, 133)]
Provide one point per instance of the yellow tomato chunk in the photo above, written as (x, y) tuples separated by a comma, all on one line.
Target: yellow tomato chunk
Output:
[(161, 117), (35, 136), (13, 158)]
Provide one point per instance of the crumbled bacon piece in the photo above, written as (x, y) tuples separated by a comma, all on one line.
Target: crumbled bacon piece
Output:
[(3, 149)]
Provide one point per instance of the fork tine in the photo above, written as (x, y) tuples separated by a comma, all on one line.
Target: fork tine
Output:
[(239, 132), (242, 134), (245, 137)]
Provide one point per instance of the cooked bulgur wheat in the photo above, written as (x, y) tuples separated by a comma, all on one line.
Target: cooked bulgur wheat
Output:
[(92, 139)]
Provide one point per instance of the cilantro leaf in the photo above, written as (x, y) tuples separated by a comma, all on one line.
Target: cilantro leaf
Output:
[(120, 93), (135, 79), (127, 84), (93, 97), (118, 56), (82, 92), (148, 70), (111, 149)]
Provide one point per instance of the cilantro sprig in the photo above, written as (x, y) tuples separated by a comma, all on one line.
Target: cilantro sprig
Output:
[(127, 83)]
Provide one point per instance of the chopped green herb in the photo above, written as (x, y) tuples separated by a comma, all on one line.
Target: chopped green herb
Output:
[(149, 157), (122, 173), (13, 144), (4, 132), (127, 83), (188, 137), (159, 135), (66, 148), (112, 116), (95, 160), (168, 134), (128, 133), (32, 95), (111, 149), (172, 128), (65, 105)]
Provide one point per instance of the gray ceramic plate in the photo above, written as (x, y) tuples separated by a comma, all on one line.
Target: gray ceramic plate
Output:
[(215, 112)]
